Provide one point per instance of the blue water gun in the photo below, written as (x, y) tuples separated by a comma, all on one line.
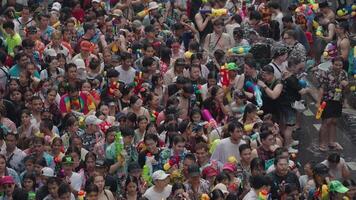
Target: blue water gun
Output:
[(256, 91)]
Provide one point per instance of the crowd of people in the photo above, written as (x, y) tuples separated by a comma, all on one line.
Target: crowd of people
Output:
[(172, 99)]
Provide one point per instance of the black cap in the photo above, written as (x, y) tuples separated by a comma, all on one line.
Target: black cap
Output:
[(112, 73), (321, 169), (193, 170), (100, 163)]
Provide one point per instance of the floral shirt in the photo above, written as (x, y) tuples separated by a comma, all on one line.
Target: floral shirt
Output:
[(203, 188), (331, 82)]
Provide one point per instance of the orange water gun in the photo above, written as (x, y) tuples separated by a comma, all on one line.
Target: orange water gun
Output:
[(320, 110)]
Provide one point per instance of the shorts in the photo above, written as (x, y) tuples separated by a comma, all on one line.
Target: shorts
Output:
[(333, 109), (288, 116)]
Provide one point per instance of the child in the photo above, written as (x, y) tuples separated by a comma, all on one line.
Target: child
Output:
[(29, 166), (29, 183)]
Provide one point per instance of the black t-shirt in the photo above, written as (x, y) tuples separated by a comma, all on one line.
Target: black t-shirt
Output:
[(41, 193), (290, 178), (142, 157), (291, 90), (271, 105), (172, 89)]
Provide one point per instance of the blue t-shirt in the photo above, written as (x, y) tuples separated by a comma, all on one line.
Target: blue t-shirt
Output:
[(15, 70)]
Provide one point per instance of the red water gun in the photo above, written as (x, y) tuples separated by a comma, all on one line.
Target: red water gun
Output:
[(320, 110)]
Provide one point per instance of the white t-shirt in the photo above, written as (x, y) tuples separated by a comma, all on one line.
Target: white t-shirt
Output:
[(279, 69), (151, 194), (76, 181), (225, 149), (336, 172), (126, 76)]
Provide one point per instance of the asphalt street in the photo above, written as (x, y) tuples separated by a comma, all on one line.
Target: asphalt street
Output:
[(308, 137)]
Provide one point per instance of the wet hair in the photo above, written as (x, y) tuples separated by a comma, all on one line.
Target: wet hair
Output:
[(249, 108), (65, 188), (334, 157), (257, 163), (177, 186), (255, 15), (243, 147), (234, 125), (216, 194)]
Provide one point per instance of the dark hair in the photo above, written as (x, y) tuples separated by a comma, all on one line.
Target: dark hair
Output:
[(243, 147), (32, 177), (237, 18), (38, 140), (28, 43), (291, 33), (69, 65), (255, 15), (268, 69), (9, 24), (131, 179), (249, 108), (221, 177), (54, 180), (265, 134), (287, 18), (178, 139), (177, 186), (153, 137), (216, 194), (65, 188), (190, 156), (257, 163), (234, 125), (126, 131), (273, 5), (202, 145), (47, 123), (278, 158), (146, 62), (154, 80), (125, 56), (334, 157), (344, 25), (257, 182), (279, 151), (149, 29), (337, 59)]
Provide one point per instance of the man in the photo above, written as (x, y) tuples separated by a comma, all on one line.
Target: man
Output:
[(296, 48), (38, 150), (127, 72), (195, 186), (337, 167), (281, 177), (45, 28), (85, 54), (188, 161), (258, 183), (229, 147), (14, 156), (36, 110), (264, 151), (24, 21), (176, 71), (71, 178), (57, 46), (161, 189), (22, 60), (277, 14), (203, 157), (186, 100), (102, 166), (288, 23), (89, 33), (92, 133), (12, 38)]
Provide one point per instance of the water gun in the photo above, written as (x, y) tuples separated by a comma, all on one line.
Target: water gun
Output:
[(324, 192), (319, 31), (330, 51), (308, 11), (197, 88), (302, 83), (137, 82), (213, 146), (153, 116), (348, 9), (240, 49), (353, 13), (232, 159), (119, 146), (188, 54), (174, 160), (113, 86), (263, 195), (31, 196), (224, 76), (81, 195), (256, 91), (215, 12), (146, 175), (208, 117), (320, 110), (353, 87), (204, 197), (143, 13)]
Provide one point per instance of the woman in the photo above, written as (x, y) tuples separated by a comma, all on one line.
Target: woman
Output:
[(250, 118), (140, 132), (159, 88), (29, 183), (71, 128), (154, 106), (53, 70), (131, 189), (271, 89), (217, 104), (197, 59), (51, 104), (26, 130), (151, 153), (178, 192), (136, 106), (89, 167), (5, 171), (218, 39), (87, 89), (57, 148), (203, 22), (99, 181), (332, 86)]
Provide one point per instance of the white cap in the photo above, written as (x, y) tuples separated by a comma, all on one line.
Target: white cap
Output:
[(152, 5), (79, 63), (50, 52), (221, 187), (56, 6), (92, 119), (97, 1), (159, 175), (48, 172)]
